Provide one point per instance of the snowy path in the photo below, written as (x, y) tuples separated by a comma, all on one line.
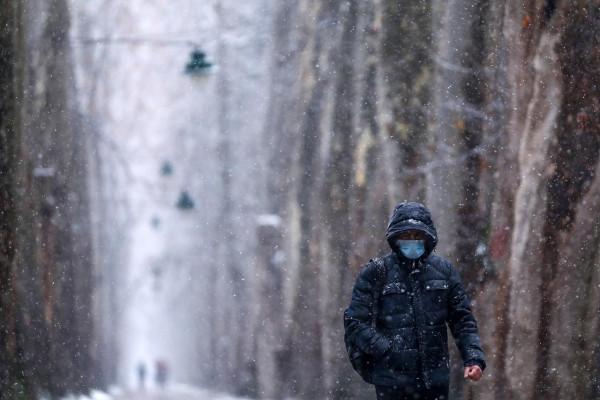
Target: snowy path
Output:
[(172, 392)]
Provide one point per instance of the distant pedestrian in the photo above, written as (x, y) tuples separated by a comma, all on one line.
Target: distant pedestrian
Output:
[(399, 310), (162, 373), (142, 374)]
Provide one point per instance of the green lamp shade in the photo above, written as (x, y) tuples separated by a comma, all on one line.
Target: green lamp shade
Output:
[(198, 63)]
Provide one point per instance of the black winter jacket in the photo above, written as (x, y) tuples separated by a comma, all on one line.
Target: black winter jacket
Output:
[(418, 298)]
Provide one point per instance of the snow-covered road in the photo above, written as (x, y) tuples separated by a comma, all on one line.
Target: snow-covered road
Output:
[(172, 392)]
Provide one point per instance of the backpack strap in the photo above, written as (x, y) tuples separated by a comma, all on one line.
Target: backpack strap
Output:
[(380, 277)]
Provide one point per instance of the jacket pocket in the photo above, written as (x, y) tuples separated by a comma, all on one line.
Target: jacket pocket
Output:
[(435, 294), (403, 360), (436, 284), (394, 302), (436, 353)]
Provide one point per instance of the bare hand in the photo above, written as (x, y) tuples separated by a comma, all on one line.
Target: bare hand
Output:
[(473, 372)]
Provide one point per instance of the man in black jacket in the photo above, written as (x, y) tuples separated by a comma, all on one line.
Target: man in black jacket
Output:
[(420, 294)]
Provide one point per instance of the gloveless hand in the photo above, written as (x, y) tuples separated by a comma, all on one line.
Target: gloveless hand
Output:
[(473, 372)]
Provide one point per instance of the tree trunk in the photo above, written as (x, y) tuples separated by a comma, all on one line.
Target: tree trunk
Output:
[(10, 366), (46, 276)]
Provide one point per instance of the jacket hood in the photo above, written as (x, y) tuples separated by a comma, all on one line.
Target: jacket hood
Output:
[(409, 217)]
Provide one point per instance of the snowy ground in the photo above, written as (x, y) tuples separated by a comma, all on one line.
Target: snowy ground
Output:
[(172, 392)]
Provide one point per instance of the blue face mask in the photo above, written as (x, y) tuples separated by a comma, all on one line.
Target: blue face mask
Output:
[(412, 249)]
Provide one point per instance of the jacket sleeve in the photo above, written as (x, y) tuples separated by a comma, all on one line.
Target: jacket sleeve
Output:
[(359, 328), (463, 324)]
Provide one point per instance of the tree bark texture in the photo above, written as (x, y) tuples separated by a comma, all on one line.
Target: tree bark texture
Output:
[(10, 365), (46, 242)]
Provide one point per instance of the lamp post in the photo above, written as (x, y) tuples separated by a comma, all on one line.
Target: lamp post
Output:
[(196, 68)]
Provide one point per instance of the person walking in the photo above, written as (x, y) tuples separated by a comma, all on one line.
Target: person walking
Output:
[(400, 307), (142, 374), (162, 373)]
